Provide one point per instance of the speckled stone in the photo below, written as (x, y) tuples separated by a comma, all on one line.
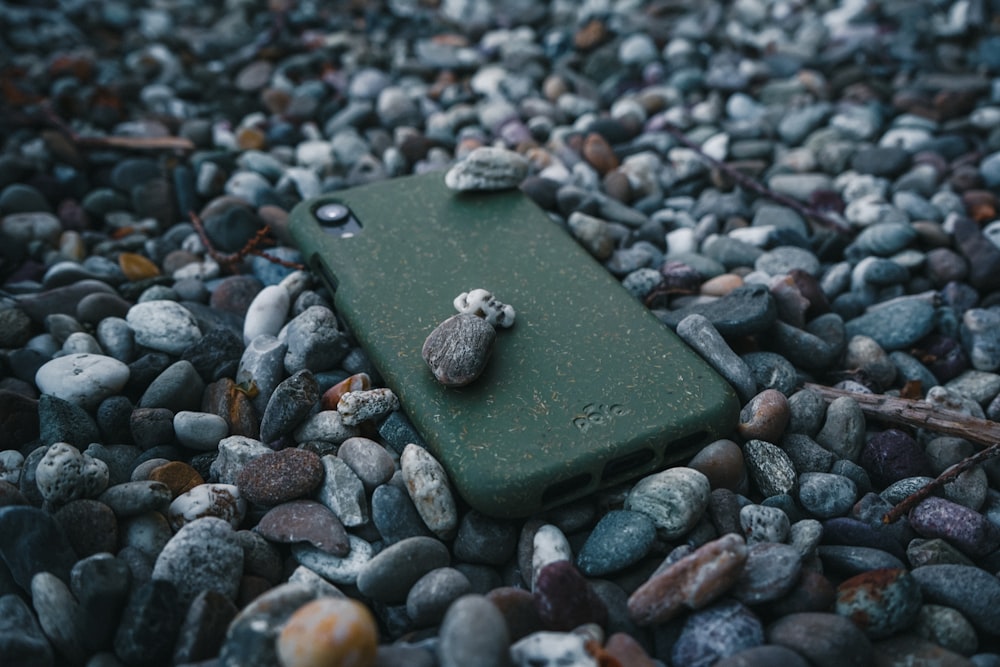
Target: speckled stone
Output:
[(620, 539), (675, 499), (305, 521), (825, 640), (965, 528), (717, 632), (202, 555), (427, 484), (761, 523), (285, 475), (339, 570), (893, 455), (771, 570), (843, 431), (770, 468), (388, 576), (826, 495), (972, 591)]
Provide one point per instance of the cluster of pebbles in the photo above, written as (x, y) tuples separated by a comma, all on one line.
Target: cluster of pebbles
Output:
[(198, 465)]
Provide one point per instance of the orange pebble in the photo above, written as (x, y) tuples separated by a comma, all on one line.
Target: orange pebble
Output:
[(721, 285), (136, 267), (329, 632), (331, 397), (178, 476)]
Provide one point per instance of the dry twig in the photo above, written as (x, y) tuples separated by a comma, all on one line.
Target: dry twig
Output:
[(921, 414), (252, 247), (756, 186)]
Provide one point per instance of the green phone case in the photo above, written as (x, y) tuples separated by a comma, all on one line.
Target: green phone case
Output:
[(586, 390)]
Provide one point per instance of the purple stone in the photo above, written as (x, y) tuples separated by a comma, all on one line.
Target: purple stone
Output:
[(564, 598), (965, 528), (893, 455)]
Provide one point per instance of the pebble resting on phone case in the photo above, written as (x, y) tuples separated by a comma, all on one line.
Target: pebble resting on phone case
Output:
[(458, 348)]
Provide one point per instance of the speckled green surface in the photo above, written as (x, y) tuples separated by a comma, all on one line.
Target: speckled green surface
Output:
[(584, 377)]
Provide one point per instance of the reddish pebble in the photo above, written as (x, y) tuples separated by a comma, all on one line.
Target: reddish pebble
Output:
[(234, 404), (765, 416), (564, 598), (694, 581), (627, 651), (235, 293), (136, 267), (331, 397), (305, 521), (599, 154), (722, 463), (276, 478)]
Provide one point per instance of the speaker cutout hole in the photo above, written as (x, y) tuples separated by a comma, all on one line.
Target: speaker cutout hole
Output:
[(685, 447), (566, 488), (623, 465)]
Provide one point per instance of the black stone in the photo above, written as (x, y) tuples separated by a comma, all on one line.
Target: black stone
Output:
[(745, 311), (143, 371), (62, 421), (152, 427), (231, 230), (291, 402), (22, 642), (113, 416), (101, 585), (482, 539), (149, 625), (18, 420), (983, 256), (216, 354), (204, 627), (32, 541), (395, 516)]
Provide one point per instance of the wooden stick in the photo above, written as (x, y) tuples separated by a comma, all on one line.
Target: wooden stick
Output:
[(909, 412)]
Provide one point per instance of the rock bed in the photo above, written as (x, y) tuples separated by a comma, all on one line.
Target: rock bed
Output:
[(182, 480)]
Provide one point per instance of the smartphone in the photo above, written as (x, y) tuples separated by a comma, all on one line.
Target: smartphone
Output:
[(586, 390)]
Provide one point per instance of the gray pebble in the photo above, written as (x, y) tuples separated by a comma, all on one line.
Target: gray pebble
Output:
[(433, 593), (178, 387), (698, 332), (390, 574), (761, 523), (202, 555), (200, 430), (290, 403), (771, 571), (315, 342), (488, 168), (57, 612), (843, 431), (20, 634), (981, 337), (620, 539), (781, 260), (675, 499), (715, 632), (343, 492), (262, 366), (851, 560), (808, 409), (826, 495), (458, 349), (165, 326), (482, 539), (369, 460), (771, 371), (896, 325), (805, 535), (806, 454), (234, 453), (134, 498), (427, 484), (473, 632), (946, 627), (972, 591)]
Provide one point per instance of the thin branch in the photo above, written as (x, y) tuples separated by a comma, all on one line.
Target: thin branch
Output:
[(232, 259), (756, 186), (128, 143), (918, 413)]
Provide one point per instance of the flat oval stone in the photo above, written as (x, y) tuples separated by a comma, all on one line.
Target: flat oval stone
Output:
[(880, 602), (388, 576), (826, 495), (289, 405), (853, 560), (165, 326), (843, 431), (266, 313), (369, 460), (433, 593), (458, 349), (761, 523), (329, 631), (745, 311), (764, 417), (275, 478), (946, 627), (20, 634), (675, 499), (895, 326), (394, 514), (473, 632), (824, 639), (722, 463), (972, 591), (202, 555), (771, 570), (305, 521), (427, 484), (620, 539), (717, 632), (200, 430), (82, 379), (965, 528), (134, 498)]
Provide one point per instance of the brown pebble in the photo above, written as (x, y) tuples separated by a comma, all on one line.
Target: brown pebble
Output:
[(597, 151), (981, 205), (90, 525), (178, 476), (722, 463), (721, 285), (331, 397), (591, 35), (136, 267), (518, 608), (234, 404), (554, 86), (765, 416), (692, 582), (305, 521), (251, 139), (627, 651), (177, 259), (617, 186)]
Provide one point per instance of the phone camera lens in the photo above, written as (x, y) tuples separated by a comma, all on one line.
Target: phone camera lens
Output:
[(332, 214)]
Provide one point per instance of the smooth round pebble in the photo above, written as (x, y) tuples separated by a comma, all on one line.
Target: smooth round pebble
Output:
[(82, 379), (165, 326), (329, 632), (880, 602), (826, 495), (824, 639), (620, 539), (675, 499)]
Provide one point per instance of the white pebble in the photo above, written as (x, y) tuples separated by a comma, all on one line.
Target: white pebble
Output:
[(488, 168), (427, 484), (548, 546), (165, 326), (64, 474), (266, 314), (343, 492), (83, 379), (219, 500), (482, 303), (200, 430), (343, 571), (359, 406)]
